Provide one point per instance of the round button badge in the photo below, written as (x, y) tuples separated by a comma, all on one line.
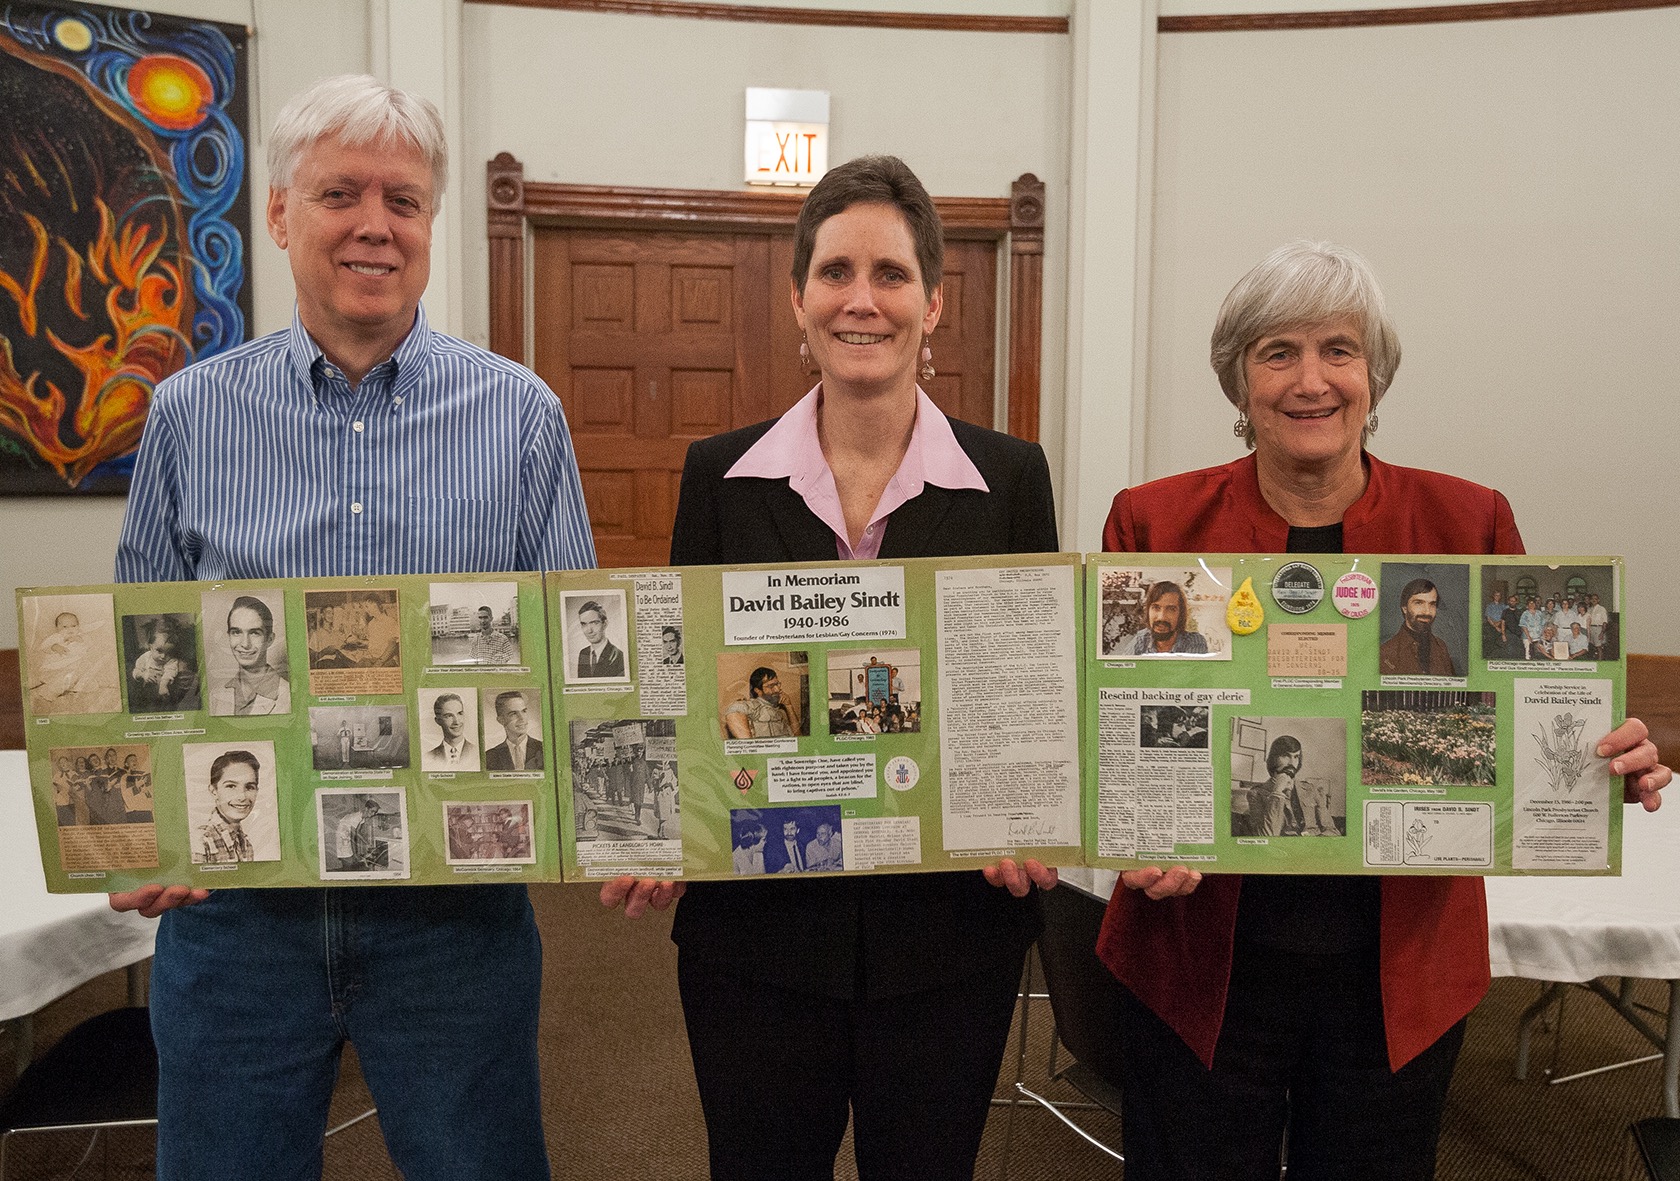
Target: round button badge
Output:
[(1355, 594), (1297, 588)]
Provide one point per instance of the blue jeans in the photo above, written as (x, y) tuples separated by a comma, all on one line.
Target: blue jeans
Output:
[(255, 992)]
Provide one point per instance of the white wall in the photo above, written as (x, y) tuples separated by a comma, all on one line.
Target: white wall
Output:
[(1516, 185)]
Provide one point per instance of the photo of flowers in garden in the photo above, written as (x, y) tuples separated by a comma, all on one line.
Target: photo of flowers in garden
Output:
[(1427, 738)]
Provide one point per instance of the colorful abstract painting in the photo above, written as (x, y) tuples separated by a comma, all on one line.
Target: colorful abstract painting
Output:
[(124, 219)]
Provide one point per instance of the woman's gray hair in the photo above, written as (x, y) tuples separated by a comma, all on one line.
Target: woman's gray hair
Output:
[(1303, 283), (357, 109)]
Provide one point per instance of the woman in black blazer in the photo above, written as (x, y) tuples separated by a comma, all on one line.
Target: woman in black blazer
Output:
[(885, 997)]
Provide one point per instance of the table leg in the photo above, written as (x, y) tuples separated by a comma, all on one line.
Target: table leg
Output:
[(1550, 993), (1671, 1054)]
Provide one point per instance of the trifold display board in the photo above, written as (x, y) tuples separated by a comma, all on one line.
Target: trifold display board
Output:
[(1249, 713), (290, 732)]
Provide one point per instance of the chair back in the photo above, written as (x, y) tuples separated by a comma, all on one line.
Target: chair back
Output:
[(1083, 994)]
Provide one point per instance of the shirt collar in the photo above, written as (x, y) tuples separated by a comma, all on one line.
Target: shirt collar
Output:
[(408, 362)]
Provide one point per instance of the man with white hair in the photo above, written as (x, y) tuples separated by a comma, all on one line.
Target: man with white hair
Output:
[(356, 441)]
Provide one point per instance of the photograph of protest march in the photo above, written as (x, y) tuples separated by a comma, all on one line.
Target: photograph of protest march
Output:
[(624, 780)]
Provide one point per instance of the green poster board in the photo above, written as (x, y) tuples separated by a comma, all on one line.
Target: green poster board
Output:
[(288, 732)]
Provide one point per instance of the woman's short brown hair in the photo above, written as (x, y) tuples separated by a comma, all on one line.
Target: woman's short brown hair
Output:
[(882, 180)]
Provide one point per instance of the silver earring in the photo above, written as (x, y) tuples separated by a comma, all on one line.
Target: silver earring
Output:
[(928, 371), (1371, 424), (1239, 428), (804, 352)]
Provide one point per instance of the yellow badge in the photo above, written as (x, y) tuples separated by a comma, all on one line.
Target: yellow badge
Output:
[(1244, 612)]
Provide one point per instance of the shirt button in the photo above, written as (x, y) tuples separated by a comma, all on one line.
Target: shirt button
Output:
[(356, 507), (869, 532), (358, 426), (397, 400)]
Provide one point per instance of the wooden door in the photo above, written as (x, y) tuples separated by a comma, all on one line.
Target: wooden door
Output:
[(655, 338)]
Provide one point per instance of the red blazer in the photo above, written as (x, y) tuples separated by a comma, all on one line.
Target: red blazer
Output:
[(1175, 955)]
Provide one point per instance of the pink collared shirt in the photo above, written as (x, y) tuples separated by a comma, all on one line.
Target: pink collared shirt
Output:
[(792, 451)]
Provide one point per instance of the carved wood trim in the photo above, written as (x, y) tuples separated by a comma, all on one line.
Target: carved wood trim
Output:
[(1347, 19), (950, 22), (515, 203)]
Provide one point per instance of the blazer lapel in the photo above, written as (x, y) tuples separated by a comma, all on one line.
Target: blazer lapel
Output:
[(803, 535), (913, 525)]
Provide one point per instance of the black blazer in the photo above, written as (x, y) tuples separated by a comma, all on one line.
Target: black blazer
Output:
[(875, 936)]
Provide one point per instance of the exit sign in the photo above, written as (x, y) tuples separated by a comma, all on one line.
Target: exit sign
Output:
[(787, 136)]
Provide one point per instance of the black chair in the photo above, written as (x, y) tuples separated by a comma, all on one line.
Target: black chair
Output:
[(102, 1074), (1657, 1143), (1084, 998)]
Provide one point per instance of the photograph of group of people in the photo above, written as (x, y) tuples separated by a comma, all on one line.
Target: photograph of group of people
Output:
[(624, 780), (102, 785), (1158, 613), (786, 840), (1550, 613), (1288, 777), (874, 691), (496, 833)]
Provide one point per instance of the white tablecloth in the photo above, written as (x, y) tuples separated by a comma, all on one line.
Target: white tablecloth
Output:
[(50, 943)]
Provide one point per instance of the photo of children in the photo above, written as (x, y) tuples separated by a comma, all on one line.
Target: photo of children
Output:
[(1165, 613), (102, 800), (233, 801), (71, 663), (161, 654)]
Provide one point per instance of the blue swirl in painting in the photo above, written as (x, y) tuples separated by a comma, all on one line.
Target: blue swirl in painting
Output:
[(123, 248)]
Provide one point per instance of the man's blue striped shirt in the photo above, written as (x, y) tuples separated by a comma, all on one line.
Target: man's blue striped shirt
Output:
[(263, 463)]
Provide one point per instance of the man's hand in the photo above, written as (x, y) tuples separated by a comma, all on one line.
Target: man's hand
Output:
[(1634, 756), (1019, 879), (1161, 883), (153, 900), (638, 894)]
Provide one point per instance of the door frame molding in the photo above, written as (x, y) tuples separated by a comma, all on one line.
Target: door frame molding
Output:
[(515, 205)]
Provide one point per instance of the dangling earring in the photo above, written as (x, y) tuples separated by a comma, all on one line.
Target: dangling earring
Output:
[(804, 353), (1239, 428), (928, 371), (1371, 424)]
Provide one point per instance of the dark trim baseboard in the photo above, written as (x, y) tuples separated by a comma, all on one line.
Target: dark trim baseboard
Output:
[(1357, 18), (947, 22)]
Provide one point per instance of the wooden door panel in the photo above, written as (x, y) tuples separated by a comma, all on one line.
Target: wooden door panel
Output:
[(602, 401), (700, 402)]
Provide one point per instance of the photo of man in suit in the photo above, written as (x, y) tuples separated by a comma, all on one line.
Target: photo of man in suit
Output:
[(457, 751), (1415, 648), (519, 751), (786, 853), (600, 658)]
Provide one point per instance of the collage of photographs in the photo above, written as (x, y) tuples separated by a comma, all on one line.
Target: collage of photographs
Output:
[(245, 712)]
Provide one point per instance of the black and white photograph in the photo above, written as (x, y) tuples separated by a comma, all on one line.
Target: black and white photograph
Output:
[(670, 644), (475, 623), (363, 833), (874, 691), (786, 840), (1428, 737), (1423, 609), (233, 801), (1550, 613), (160, 654), (70, 645), (448, 722), (359, 737), (624, 780), (764, 695), (513, 733), (596, 637), (246, 669), (1162, 613), (355, 642), (497, 833), (1164, 727), (102, 784), (1288, 777)]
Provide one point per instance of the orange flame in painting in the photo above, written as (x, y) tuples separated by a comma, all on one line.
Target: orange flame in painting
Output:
[(144, 302)]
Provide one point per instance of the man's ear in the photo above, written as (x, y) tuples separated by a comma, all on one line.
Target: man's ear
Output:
[(277, 216)]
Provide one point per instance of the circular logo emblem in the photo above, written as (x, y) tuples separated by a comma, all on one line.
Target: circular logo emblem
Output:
[(1297, 588), (1355, 594), (901, 773)]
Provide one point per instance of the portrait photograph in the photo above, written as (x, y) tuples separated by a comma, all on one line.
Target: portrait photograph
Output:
[(160, 654), (1443, 738), (1533, 612), (874, 691), (475, 623), (513, 729), (497, 833), (246, 669), (233, 801), (359, 737), (624, 780), (355, 642), (1422, 612), (448, 723), (1288, 777), (102, 784), (363, 834), (763, 695), (1164, 613), (1162, 727), (595, 637), (70, 654), (786, 840)]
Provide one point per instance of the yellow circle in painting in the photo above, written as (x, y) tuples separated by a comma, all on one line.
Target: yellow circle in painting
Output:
[(73, 34), (170, 91)]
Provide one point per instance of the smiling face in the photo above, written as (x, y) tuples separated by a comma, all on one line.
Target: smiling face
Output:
[(248, 639), (514, 716), (1166, 617), (452, 718), (1420, 610), (863, 310), (1309, 393), (356, 225), (235, 791)]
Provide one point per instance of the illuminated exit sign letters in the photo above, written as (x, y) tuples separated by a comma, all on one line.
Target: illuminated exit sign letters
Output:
[(787, 136)]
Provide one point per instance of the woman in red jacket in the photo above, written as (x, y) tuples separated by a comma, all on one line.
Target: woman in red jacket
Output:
[(1335, 1004)]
